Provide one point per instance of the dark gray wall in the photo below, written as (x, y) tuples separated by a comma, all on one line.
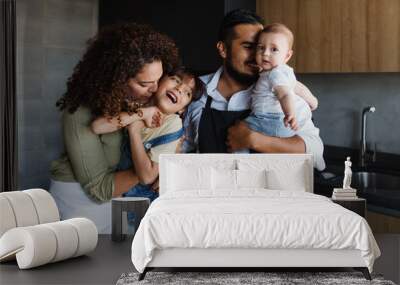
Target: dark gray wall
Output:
[(192, 24), (51, 39), (341, 100), (240, 4)]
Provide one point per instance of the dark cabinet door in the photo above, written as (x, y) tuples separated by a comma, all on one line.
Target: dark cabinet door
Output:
[(192, 24), (357, 206)]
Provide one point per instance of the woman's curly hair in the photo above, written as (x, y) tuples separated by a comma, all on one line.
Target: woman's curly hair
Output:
[(116, 54)]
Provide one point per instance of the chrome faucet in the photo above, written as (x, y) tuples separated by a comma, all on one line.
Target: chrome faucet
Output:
[(363, 146)]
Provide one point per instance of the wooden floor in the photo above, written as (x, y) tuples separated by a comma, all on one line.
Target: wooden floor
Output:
[(111, 259)]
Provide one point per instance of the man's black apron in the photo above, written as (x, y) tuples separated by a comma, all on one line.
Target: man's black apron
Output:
[(213, 128)]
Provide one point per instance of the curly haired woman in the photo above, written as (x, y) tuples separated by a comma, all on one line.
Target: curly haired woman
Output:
[(122, 64)]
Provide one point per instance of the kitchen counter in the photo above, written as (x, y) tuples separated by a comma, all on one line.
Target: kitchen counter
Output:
[(379, 200)]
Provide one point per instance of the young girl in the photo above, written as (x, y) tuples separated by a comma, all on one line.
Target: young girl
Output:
[(152, 130)]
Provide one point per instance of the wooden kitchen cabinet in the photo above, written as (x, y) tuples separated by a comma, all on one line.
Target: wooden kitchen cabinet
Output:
[(383, 224), (339, 35)]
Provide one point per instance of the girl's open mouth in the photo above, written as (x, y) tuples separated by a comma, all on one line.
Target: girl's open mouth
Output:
[(172, 97)]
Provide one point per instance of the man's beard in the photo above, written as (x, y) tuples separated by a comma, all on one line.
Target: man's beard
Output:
[(241, 78)]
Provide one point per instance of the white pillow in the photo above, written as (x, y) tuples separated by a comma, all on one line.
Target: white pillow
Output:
[(227, 179), (251, 178), (223, 179), (184, 177), (281, 174), (293, 180)]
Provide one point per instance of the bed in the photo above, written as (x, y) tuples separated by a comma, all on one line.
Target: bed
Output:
[(247, 210)]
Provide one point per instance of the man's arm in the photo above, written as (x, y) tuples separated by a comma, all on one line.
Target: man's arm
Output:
[(307, 141), (240, 136)]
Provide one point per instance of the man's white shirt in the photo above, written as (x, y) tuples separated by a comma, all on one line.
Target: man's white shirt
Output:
[(240, 101)]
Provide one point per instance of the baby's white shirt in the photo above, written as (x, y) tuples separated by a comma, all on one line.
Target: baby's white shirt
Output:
[(263, 98)]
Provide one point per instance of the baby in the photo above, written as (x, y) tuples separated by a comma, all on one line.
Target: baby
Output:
[(273, 99)]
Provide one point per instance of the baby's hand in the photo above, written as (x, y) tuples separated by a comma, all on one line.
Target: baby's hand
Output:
[(151, 116), (290, 120)]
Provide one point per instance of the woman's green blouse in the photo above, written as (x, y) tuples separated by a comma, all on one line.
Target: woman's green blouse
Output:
[(90, 159)]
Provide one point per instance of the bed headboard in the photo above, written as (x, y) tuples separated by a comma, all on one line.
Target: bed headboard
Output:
[(286, 171)]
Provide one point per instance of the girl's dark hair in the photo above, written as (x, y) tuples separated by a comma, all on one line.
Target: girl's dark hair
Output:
[(116, 54), (199, 85)]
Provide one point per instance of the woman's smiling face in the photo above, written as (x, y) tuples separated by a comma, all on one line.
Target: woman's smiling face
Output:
[(174, 93), (143, 86)]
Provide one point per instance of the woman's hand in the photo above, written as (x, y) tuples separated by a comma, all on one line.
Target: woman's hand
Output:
[(151, 116), (126, 119), (156, 186)]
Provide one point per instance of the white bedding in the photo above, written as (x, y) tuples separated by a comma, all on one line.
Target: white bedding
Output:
[(251, 218)]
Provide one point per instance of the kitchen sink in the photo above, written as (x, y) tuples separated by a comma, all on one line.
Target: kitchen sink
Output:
[(381, 190), (374, 181)]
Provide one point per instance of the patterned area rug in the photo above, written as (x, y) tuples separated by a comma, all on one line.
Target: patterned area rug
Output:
[(243, 278)]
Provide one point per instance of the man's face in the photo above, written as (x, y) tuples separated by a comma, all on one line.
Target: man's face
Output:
[(240, 61)]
